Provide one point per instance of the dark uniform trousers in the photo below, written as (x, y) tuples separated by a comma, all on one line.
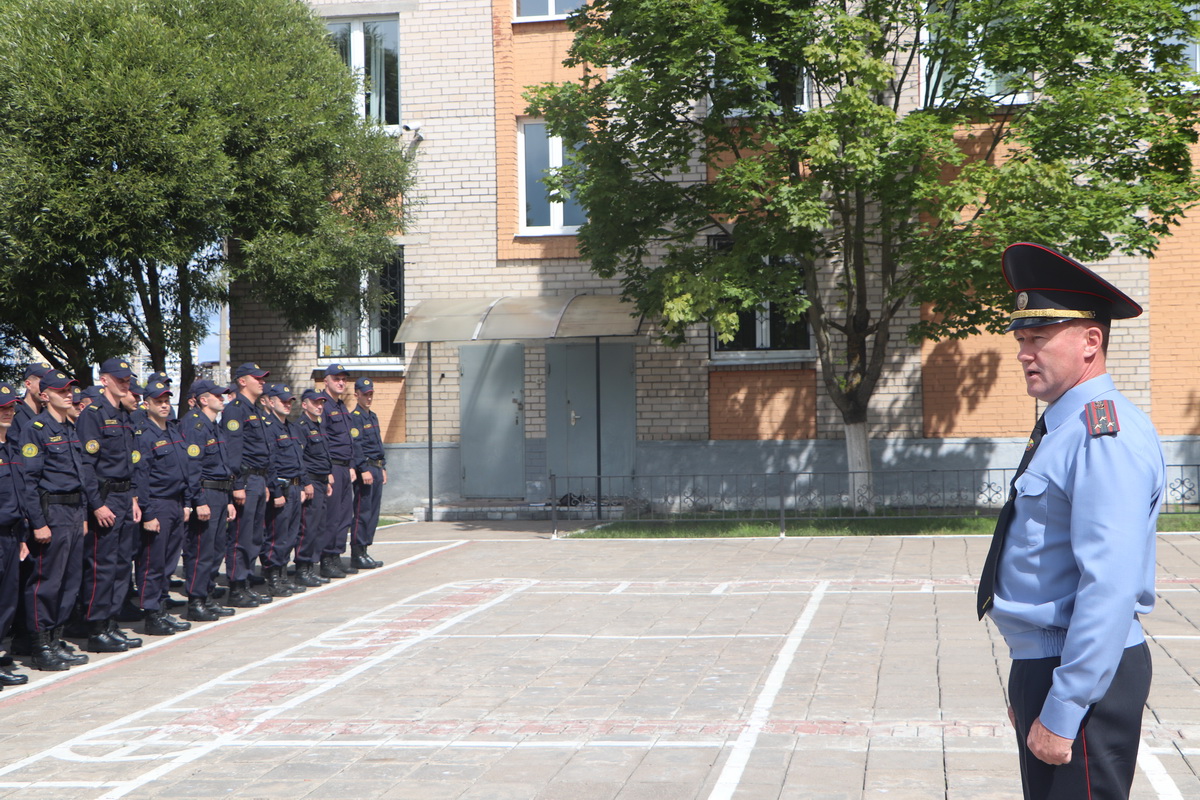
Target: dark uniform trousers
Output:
[(105, 561), (156, 548), (313, 529), (11, 537), (201, 556), (1104, 756), (53, 571), (246, 530), (172, 551), (367, 501), (127, 546), (283, 529), (339, 513)]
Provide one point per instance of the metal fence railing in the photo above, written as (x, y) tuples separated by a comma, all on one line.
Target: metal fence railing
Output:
[(808, 495)]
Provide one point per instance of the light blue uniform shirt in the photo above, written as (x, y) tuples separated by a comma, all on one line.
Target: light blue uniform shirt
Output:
[(1077, 566)]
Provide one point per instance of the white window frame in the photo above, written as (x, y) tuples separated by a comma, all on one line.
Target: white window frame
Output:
[(543, 17), (991, 82), (764, 355), (557, 151), (358, 58), (362, 338)]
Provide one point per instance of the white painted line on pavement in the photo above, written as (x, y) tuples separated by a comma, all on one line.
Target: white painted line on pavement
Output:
[(731, 774), (1157, 774)]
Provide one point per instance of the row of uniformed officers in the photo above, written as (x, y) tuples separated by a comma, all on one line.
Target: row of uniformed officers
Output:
[(101, 497)]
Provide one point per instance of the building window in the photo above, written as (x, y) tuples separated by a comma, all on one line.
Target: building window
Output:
[(1191, 47), (370, 48), (944, 86), (538, 153), (370, 335), (764, 334), (544, 9)]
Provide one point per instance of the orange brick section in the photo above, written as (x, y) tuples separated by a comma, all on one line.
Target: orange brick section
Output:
[(762, 404), (388, 405), (974, 387)]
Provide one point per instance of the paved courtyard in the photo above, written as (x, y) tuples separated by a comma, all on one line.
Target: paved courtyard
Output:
[(501, 663)]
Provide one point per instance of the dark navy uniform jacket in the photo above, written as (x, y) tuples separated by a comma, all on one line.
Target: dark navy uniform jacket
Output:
[(12, 479), (163, 468), (205, 445), (246, 441), (53, 463), (106, 433), (316, 454), (336, 425), (365, 428), (23, 417), (287, 447)]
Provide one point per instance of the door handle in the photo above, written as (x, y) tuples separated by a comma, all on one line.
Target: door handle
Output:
[(574, 417)]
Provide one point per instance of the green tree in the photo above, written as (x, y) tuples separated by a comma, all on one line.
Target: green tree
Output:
[(153, 151), (875, 154)]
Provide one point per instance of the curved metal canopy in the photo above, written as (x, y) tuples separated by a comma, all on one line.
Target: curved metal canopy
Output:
[(470, 319)]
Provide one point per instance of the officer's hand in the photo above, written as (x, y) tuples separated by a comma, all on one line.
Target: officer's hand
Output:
[(308, 492), (1047, 746), (203, 513), (329, 488), (42, 535), (279, 501), (353, 474), (239, 497), (137, 511), (187, 514), (24, 551), (384, 473), (150, 525), (232, 512), (105, 517), (367, 477)]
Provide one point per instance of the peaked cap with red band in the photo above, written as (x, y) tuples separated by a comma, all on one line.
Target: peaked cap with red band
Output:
[(1052, 288)]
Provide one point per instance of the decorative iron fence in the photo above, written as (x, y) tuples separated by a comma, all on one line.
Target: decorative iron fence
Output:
[(809, 495)]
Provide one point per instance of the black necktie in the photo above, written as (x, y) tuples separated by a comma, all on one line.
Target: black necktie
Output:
[(987, 580)]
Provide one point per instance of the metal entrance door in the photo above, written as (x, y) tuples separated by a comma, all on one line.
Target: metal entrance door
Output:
[(492, 420), (571, 413)]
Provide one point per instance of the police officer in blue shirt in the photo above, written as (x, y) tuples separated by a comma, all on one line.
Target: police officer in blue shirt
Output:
[(106, 431), (53, 498), (372, 474), (319, 478), (283, 518), (12, 523), (253, 472), (167, 483), (213, 502), (344, 454), (1071, 568)]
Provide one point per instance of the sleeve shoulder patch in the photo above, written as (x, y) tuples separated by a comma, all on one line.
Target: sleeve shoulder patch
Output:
[(193, 450), (232, 425), (1102, 418), (30, 450)]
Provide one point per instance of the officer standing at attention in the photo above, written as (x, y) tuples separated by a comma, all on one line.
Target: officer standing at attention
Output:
[(283, 519), (31, 406), (250, 464), (1071, 566), (343, 453), (167, 482), (53, 499), (213, 502), (319, 480), (12, 523), (106, 432), (372, 474)]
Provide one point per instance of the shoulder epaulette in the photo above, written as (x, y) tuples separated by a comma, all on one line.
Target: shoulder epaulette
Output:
[(1102, 417), (38, 425)]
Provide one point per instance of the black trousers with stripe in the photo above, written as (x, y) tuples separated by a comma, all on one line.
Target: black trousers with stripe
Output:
[(1104, 756)]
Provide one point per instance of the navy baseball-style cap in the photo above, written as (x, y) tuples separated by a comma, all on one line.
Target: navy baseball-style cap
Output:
[(336, 369), (205, 386), (156, 389), (8, 395), (117, 367), (158, 377), (56, 380), (313, 394), (364, 385), (1052, 288), (250, 369), (36, 369), (93, 392), (136, 389), (280, 390)]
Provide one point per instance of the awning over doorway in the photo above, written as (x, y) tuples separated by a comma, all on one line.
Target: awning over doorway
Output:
[(470, 319)]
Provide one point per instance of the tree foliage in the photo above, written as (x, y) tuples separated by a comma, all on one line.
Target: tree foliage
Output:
[(876, 154), (153, 151)]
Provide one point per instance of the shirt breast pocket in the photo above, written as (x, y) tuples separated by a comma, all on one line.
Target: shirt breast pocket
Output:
[(1029, 521)]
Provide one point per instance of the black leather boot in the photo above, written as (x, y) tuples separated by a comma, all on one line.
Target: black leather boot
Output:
[(347, 565), (45, 654), (132, 642), (242, 597), (275, 583), (157, 625), (101, 640), (306, 575), (360, 559), (197, 611), (178, 624), (9, 679), (331, 567), (292, 581), (65, 651), (217, 608)]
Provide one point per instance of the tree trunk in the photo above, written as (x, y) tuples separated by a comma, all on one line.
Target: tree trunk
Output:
[(858, 463), (187, 367)]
